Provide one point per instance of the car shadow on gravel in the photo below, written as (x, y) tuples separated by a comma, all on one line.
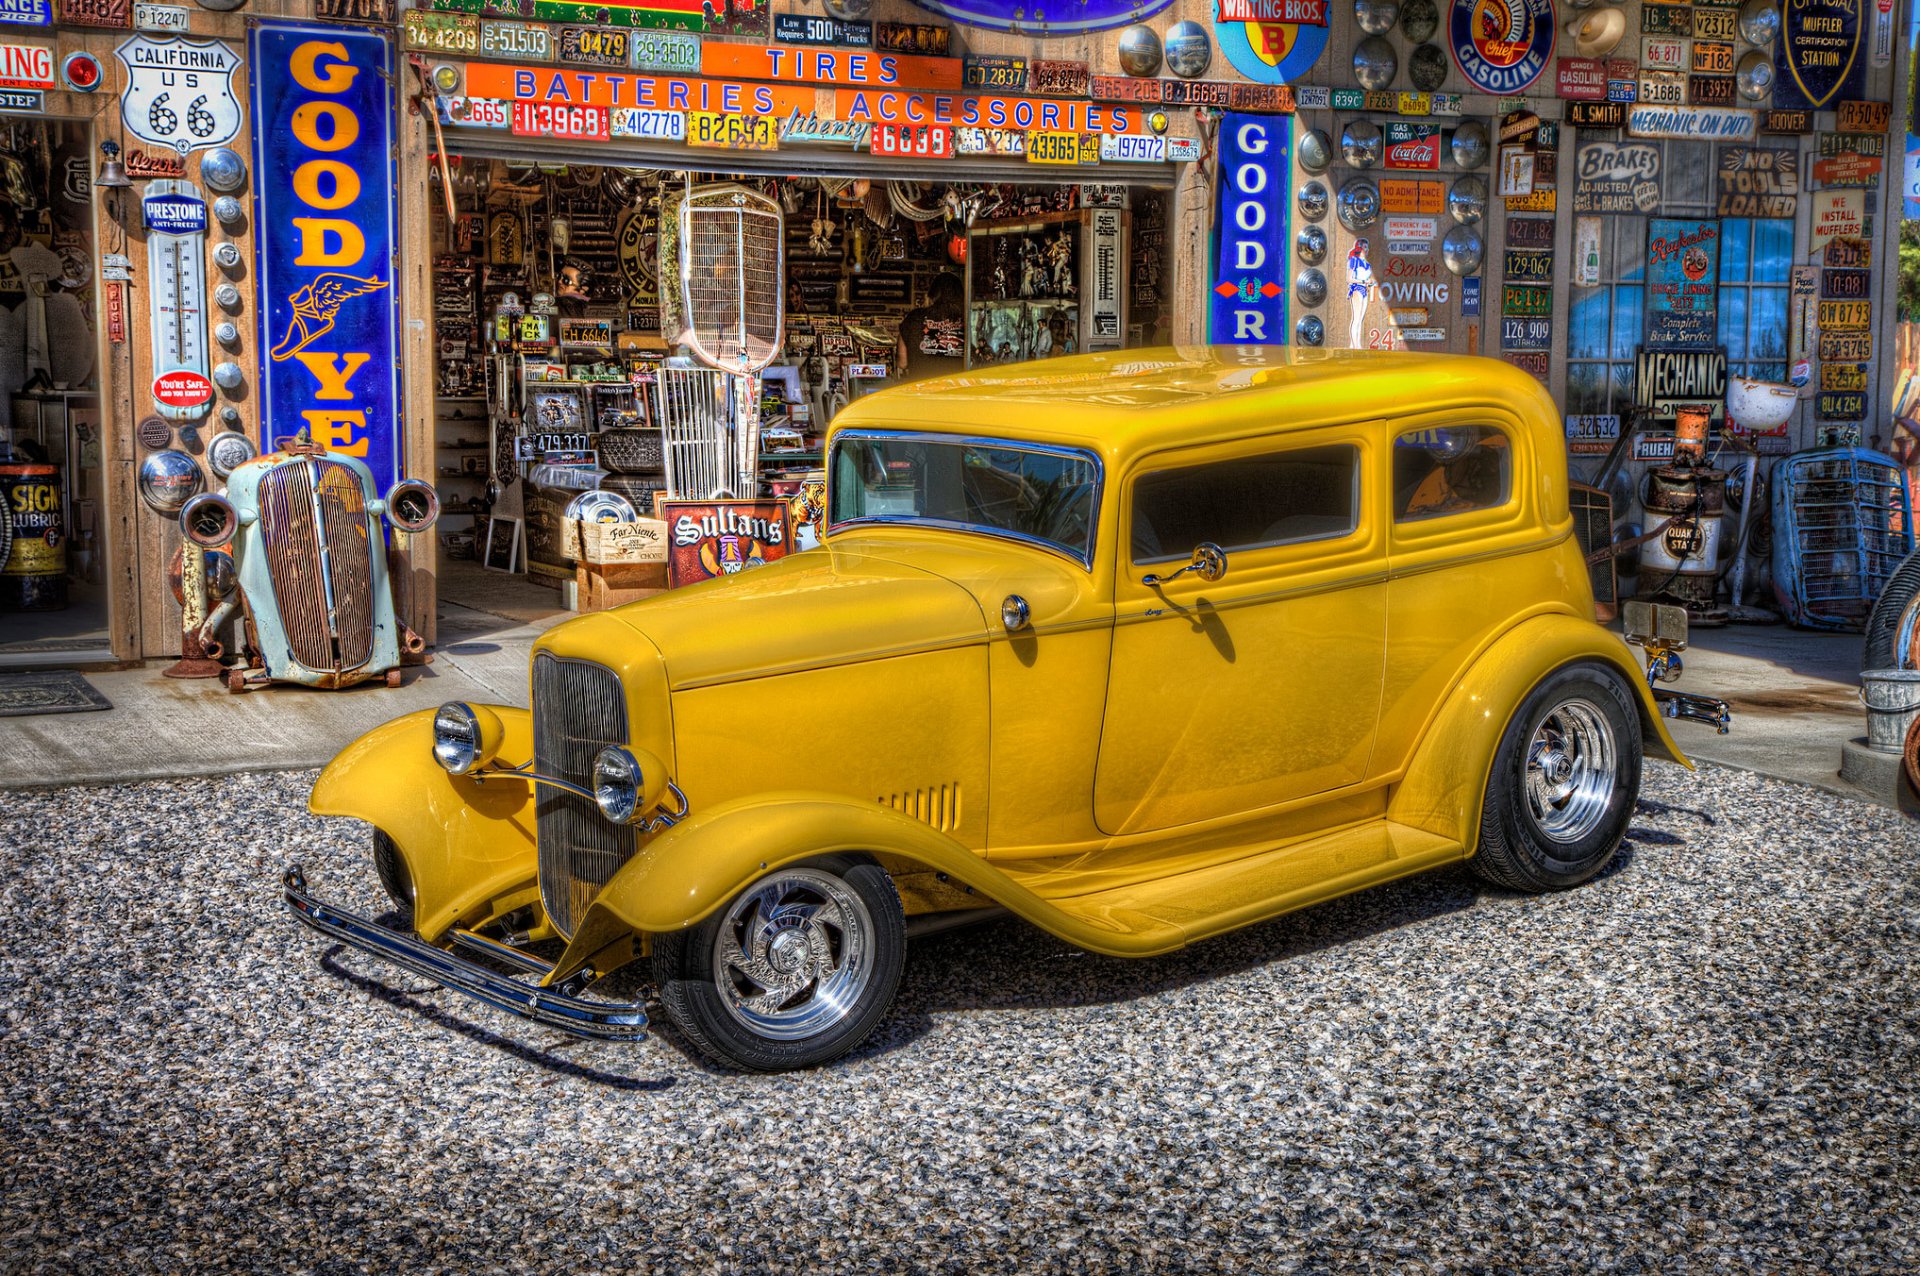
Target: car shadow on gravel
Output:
[(409, 1000)]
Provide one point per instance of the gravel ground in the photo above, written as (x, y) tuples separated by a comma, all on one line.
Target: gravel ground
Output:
[(1704, 1061)]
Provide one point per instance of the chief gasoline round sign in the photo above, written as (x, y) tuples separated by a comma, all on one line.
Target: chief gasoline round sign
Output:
[(1501, 46)]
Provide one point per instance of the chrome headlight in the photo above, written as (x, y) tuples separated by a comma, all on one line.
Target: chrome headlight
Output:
[(465, 737), (628, 784)]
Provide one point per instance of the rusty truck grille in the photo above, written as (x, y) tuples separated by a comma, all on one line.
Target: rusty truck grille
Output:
[(578, 710), (313, 519)]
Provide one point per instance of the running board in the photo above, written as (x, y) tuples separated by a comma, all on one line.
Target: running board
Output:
[(555, 1007)]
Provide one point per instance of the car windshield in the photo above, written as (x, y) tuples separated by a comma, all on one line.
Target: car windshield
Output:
[(1021, 490)]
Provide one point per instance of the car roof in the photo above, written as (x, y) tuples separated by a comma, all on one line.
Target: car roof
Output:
[(1131, 402)]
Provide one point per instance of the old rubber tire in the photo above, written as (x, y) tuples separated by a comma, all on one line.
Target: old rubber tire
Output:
[(394, 876), (791, 973), (1879, 651), (1563, 783)]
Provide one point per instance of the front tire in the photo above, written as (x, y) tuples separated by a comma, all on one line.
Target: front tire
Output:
[(1563, 783), (394, 877), (791, 973)]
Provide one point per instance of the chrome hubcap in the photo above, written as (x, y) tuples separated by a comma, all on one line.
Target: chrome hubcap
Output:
[(1572, 768), (794, 954)]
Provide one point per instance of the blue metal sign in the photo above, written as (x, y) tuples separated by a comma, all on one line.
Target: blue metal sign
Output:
[(26, 13), (1045, 17), (174, 214), (1683, 283), (1820, 57), (326, 240), (1248, 304)]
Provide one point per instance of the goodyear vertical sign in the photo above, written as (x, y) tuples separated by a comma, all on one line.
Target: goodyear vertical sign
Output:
[(1249, 302), (326, 240)]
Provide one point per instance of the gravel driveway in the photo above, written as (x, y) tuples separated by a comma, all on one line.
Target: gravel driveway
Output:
[(1705, 1060)]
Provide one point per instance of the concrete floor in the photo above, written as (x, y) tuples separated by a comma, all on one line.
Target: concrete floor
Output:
[(1794, 695)]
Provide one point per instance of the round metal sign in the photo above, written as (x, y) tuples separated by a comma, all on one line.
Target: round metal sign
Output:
[(1314, 150), (1043, 19), (223, 169), (1360, 143), (1376, 17), (228, 451), (1467, 200), (1419, 19), (221, 6), (1470, 144), (1427, 67), (1462, 250), (154, 433), (1139, 50), (1374, 63), (168, 480), (1359, 203), (1189, 50), (81, 71)]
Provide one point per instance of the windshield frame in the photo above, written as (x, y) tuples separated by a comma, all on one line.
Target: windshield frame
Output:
[(1085, 559)]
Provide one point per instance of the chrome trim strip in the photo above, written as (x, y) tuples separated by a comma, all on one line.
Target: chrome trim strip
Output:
[(493, 948), (601, 1020), (1011, 445)]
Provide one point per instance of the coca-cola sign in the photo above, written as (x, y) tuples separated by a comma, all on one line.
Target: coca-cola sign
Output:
[(1412, 145)]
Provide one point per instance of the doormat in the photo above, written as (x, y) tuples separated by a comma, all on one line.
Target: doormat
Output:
[(23, 695)]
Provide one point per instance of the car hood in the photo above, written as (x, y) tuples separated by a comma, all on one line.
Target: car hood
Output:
[(823, 607)]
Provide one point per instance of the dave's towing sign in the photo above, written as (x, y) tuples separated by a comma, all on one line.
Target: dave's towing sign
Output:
[(324, 208), (1249, 302)]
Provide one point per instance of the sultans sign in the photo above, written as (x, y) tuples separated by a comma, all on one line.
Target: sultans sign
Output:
[(326, 240), (1819, 57), (1501, 47), (1272, 41), (1249, 302)]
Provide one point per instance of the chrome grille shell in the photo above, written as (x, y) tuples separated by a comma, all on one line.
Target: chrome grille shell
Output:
[(579, 708), (313, 520)]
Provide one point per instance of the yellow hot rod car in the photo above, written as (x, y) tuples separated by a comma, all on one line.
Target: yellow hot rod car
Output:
[(1139, 647)]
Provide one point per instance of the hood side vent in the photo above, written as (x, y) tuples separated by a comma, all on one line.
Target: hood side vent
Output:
[(937, 807)]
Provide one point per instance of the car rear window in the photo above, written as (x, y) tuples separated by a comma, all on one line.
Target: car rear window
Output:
[(1247, 503), (1450, 471)]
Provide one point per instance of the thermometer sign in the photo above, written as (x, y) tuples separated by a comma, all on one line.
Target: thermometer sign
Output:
[(177, 293)]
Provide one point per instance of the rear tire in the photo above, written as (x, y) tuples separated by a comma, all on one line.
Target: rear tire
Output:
[(1563, 783), (791, 973)]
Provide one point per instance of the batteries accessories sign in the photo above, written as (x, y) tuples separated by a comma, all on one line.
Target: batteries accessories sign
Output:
[(1818, 58), (1501, 46), (1249, 302), (179, 93), (325, 239), (1271, 41)]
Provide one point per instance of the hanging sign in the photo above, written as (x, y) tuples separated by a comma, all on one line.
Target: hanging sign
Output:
[(1683, 266), (1270, 41), (1849, 170), (1616, 177), (1501, 48), (1699, 123), (1249, 301), (1758, 182), (325, 250), (1839, 215), (801, 66), (1817, 59), (179, 93)]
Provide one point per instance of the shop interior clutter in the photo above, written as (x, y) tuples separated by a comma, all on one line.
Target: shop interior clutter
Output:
[(610, 340)]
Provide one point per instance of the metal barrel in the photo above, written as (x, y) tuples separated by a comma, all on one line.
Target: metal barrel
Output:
[(34, 575), (1683, 562)]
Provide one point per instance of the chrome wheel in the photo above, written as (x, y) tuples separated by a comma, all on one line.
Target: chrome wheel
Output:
[(1572, 769), (793, 954)]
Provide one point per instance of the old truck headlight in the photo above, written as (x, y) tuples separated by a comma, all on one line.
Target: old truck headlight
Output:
[(465, 736), (626, 784)]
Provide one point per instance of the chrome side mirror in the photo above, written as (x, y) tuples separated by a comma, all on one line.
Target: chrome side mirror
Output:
[(1209, 564)]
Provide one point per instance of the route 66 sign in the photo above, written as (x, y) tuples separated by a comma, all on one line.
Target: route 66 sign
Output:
[(179, 93)]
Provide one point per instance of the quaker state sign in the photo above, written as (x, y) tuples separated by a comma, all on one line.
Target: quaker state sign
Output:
[(1501, 46)]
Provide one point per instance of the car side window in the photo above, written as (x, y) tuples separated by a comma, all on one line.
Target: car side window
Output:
[(1450, 470), (1247, 503)]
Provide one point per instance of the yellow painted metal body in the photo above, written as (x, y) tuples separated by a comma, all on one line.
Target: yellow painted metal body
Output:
[(1142, 766)]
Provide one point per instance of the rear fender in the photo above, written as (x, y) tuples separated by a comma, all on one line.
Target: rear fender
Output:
[(681, 876), (466, 844), (1444, 787)]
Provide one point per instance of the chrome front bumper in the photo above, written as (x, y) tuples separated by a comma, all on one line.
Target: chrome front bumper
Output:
[(555, 1007)]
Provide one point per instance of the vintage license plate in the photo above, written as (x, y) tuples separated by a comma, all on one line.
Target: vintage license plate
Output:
[(1528, 266), (1122, 88), (1200, 93), (1005, 73), (1132, 148), (1526, 299), (442, 32), (1846, 285), (1526, 333), (989, 141), (733, 132), (1849, 254), (1068, 79), (560, 119), (1710, 90), (1864, 117), (1843, 376), (1715, 24), (1663, 88), (1846, 347), (1840, 407), (1659, 19), (1045, 146), (1658, 53), (634, 121), (162, 17), (1853, 144), (594, 46), (916, 141), (1712, 58), (803, 28), (516, 40), (665, 51), (476, 112), (1846, 316)]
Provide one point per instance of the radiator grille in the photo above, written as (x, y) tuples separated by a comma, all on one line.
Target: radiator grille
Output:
[(578, 710), (937, 806), (1593, 528), (313, 620)]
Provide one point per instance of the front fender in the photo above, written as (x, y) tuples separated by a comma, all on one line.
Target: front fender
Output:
[(1444, 786), (465, 843), (684, 874)]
